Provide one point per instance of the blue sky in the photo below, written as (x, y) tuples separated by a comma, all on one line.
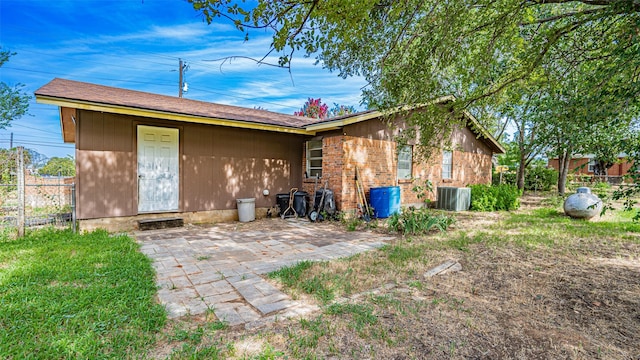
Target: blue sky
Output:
[(136, 44)]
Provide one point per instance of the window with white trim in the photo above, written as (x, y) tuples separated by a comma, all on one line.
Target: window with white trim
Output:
[(314, 158), (447, 164), (592, 165), (405, 160)]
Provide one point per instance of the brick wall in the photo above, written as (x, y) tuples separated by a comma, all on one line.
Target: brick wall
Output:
[(42, 192), (467, 168), (47, 191), (376, 161), (332, 163), (581, 166)]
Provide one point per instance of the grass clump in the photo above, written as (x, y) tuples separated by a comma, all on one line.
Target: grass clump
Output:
[(362, 314), (412, 221), (291, 275), (66, 295), (295, 276), (400, 254), (314, 278), (319, 288)]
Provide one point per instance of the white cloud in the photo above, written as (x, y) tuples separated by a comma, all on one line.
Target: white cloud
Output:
[(135, 50)]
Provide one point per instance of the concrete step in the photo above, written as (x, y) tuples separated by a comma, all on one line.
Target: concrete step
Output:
[(162, 223)]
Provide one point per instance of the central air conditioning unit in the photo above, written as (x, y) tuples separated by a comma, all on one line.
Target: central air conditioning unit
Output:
[(453, 198)]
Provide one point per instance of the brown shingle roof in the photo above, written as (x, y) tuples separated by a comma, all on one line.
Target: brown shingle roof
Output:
[(106, 95), (78, 92)]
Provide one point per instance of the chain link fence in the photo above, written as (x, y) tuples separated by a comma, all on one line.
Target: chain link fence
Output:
[(32, 200)]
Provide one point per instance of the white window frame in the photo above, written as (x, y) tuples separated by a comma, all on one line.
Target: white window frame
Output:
[(447, 164), (591, 167), (314, 146), (405, 162)]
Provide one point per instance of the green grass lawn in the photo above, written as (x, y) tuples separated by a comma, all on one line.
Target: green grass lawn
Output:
[(528, 269), (91, 296), (80, 296)]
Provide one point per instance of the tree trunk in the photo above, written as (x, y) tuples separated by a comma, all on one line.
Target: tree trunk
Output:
[(521, 168), (523, 156), (563, 166)]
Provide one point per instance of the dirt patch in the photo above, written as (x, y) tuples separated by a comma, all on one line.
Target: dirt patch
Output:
[(577, 299)]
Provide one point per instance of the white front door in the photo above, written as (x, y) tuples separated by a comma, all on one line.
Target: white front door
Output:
[(158, 169)]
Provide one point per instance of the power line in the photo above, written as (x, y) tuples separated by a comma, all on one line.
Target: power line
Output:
[(226, 94), (243, 98), (33, 142), (40, 137), (44, 145), (158, 84), (91, 77), (30, 127), (80, 58), (37, 142)]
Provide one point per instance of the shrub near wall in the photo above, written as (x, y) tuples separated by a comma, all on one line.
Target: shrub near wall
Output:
[(508, 177), (495, 198), (540, 178), (537, 178)]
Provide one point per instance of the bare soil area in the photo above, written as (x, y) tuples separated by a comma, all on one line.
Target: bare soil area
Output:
[(526, 291)]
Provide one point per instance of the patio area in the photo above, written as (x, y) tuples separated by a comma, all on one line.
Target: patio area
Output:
[(218, 267)]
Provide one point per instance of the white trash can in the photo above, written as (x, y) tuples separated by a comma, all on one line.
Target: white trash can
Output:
[(246, 209)]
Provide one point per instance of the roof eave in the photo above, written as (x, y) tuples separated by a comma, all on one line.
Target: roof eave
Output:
[(356, 118), (484, 133), (125, 110), (340, 123), (497, 148)]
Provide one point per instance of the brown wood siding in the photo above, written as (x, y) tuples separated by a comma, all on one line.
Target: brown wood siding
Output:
[(224, 164), (106, 166), (218, 165), (465, 140), (376, 129)]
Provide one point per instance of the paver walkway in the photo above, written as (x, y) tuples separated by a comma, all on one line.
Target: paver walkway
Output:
[(219, 267)]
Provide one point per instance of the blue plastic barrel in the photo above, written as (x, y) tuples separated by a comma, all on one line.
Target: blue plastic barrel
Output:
[(385, 200)]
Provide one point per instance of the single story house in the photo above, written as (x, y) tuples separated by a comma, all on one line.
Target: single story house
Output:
[(144, 156), (585, 164)]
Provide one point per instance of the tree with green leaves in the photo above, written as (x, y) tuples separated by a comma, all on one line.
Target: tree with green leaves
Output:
[(575, 114), (57, 166), (341, 110), (412, 52), (608, 142), (583, 52), (13, 101), (628, 192), (8, 163), (518, 110)]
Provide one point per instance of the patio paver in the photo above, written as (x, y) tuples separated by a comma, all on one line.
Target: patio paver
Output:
[(218, 268)]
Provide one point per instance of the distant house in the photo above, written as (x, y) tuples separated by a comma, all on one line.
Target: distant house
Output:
[(584, 165), (143, 156)]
